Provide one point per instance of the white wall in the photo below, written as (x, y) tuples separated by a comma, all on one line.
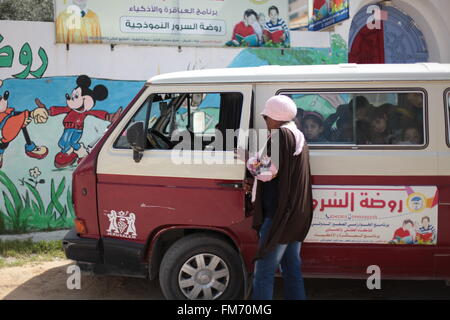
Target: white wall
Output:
[(124, 62)]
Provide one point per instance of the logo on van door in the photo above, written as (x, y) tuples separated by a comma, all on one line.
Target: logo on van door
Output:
[(416, 202), (122, 224)]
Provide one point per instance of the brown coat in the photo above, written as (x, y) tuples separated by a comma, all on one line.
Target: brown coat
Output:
[(293, 217)]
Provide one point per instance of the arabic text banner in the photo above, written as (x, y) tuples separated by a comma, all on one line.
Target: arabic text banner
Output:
[(375, 214), (245, 23)]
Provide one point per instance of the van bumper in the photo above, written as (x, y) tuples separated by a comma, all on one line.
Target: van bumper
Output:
[(106, 256), (81, 249)]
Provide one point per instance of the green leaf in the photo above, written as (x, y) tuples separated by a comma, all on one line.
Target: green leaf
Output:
[(70, 202), (9, 207), (12, 190), (49, 211), (35, 207), (61, 187), (55, 196), (37, 196)]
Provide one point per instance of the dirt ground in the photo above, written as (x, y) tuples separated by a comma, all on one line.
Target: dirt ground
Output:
[(48, 281)]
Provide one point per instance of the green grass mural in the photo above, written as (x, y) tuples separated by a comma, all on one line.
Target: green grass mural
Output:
[(27, 212)]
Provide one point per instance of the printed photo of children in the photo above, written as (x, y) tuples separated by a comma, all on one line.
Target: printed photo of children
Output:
[(257, 29), (426, 233), (413, 233), (276, 30), (244, 33), (405, 234)]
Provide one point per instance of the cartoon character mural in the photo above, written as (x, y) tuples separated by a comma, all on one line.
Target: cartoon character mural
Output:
[(12, 122), (79, 105)]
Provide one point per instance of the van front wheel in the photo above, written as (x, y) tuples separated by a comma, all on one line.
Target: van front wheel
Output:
[(201, 267)]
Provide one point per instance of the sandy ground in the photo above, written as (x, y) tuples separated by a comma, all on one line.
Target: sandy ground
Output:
[(48, 280)]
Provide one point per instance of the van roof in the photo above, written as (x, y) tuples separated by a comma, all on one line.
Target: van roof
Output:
[(337, 72)]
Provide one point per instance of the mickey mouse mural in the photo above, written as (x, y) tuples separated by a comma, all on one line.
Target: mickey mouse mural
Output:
[(79, 105)]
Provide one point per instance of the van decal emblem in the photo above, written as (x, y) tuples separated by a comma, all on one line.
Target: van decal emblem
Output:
[(122, 224)]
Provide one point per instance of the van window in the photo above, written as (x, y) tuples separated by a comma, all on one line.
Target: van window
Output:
[(198, 117), (361, 118)]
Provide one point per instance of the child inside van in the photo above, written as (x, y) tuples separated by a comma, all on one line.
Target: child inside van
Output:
[(362, 132), (339, 125), (312, 126), (380, 132), (411, 135)]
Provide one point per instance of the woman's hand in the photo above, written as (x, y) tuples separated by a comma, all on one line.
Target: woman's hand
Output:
[(248, 185)]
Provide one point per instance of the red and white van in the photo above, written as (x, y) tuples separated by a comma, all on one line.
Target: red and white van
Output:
[(380, 159)]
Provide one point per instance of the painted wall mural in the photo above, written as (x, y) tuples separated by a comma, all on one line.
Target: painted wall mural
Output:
[(46, 129), (51, 114)]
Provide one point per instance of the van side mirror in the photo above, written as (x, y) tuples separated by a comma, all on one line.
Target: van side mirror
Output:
[(136, 139)]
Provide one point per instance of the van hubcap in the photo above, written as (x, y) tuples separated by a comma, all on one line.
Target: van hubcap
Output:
[(204, 276)]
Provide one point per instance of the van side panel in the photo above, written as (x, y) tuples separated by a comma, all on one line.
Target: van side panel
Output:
[(159, 201), (427, 166)]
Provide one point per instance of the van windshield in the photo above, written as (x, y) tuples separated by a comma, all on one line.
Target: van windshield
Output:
[(196, 116)]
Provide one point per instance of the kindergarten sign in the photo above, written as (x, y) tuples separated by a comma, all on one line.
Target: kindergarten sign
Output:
[(245, 23), (324, 13), (374, 214)]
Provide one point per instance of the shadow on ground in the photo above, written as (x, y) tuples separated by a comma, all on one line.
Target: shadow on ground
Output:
[(50, 283)]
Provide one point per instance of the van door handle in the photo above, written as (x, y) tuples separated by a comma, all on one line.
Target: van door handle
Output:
[(234, 185)]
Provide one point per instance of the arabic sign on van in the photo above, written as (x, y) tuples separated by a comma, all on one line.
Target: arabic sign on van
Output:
[(374, 214), (248, 23)]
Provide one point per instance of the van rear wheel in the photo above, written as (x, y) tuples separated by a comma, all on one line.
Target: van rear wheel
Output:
[(201, 267)]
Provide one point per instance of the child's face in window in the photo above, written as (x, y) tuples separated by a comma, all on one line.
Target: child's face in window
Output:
[(312, 129), (425, 223), (379, 124), (362, 113), (412, 135), (415, 99), (273, 15)]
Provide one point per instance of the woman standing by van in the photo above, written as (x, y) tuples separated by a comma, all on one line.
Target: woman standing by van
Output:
[(283, 203)]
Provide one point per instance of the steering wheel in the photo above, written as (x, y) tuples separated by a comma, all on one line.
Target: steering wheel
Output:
[(158, 140)]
